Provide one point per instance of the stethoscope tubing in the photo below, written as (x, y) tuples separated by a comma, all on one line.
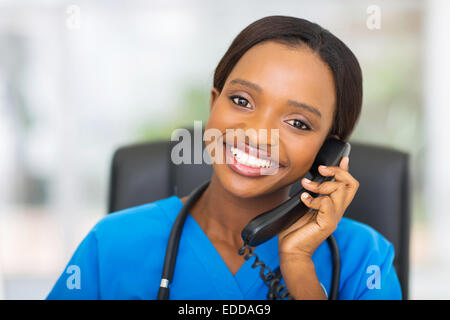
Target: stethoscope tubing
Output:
[(174, 240)]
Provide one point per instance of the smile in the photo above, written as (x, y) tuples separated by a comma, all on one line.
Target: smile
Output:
[(248, 160), (243, 160)]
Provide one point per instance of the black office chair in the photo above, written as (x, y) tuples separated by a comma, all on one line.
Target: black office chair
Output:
[(144, 173)]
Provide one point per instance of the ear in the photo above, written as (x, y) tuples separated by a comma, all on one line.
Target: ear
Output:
[(213, 98)]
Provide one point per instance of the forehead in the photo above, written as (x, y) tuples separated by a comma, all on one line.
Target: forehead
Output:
[(288, 73)]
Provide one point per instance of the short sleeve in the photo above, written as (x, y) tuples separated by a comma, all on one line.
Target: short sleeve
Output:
[(367, 263), (80, 278), (380, 281)]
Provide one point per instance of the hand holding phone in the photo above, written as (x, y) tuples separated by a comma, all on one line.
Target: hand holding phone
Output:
[(270, 223)]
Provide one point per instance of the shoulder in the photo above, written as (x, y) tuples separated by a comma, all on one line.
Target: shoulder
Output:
[(122, 248), (153, 218), (361, 243), (367, 262), (353, 233), (358, 244)]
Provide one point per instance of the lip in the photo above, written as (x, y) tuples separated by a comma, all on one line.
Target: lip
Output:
[(246, 170)]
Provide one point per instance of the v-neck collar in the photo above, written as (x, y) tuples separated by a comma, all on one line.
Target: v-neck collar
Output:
[(229, 286)]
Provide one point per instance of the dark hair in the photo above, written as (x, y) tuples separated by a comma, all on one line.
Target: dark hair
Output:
[(293, 32)]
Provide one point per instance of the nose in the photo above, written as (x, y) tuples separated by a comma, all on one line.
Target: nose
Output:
[(263, 130), (262, 138)]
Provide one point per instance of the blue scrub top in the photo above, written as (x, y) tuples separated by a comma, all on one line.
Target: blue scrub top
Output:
[(123, 255)]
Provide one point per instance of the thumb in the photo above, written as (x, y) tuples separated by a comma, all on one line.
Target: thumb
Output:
[(344, 163)]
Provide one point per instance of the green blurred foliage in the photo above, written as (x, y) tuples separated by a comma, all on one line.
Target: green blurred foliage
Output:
[(193, 106), (392, 114), (392, 106)]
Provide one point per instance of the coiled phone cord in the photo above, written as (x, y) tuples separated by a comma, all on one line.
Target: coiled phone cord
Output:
[(272, 279)]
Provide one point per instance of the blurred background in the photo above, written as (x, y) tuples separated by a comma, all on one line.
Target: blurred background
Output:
[(78, 79)]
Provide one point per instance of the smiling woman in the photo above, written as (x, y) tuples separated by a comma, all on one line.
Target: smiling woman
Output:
[(281, 74), (279, 88)]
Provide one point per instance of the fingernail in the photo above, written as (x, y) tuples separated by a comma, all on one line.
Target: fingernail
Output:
[(305, 195), (307, 180), (323, 167)]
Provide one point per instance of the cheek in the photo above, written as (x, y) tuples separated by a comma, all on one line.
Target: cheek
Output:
[(223, 116), (301, 155), (219, 120)]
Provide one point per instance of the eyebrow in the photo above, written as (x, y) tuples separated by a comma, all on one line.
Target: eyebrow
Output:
[(293, 103)]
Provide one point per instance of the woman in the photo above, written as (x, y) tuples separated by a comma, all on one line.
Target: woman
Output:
[(280, 73)]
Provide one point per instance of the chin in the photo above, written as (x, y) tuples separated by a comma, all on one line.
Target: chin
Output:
[(246, 186)]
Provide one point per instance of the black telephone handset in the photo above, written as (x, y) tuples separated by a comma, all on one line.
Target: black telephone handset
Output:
[(270, 223)]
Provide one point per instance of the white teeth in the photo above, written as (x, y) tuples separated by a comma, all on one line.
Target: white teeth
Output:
[(249, 160)]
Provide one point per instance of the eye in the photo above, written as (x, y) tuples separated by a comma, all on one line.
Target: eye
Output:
[(240, 101), (299, 124)]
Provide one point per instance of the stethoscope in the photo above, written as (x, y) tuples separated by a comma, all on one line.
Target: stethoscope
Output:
[(174, 240)]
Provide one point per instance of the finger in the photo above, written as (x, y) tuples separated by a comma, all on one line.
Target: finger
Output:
[(328, 187), (351, 185), (344, 163), (346, 183), (325, 188), (338, 192), (340, 175), (326, 217)]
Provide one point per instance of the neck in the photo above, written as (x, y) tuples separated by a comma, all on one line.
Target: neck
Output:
[(222, 215)]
